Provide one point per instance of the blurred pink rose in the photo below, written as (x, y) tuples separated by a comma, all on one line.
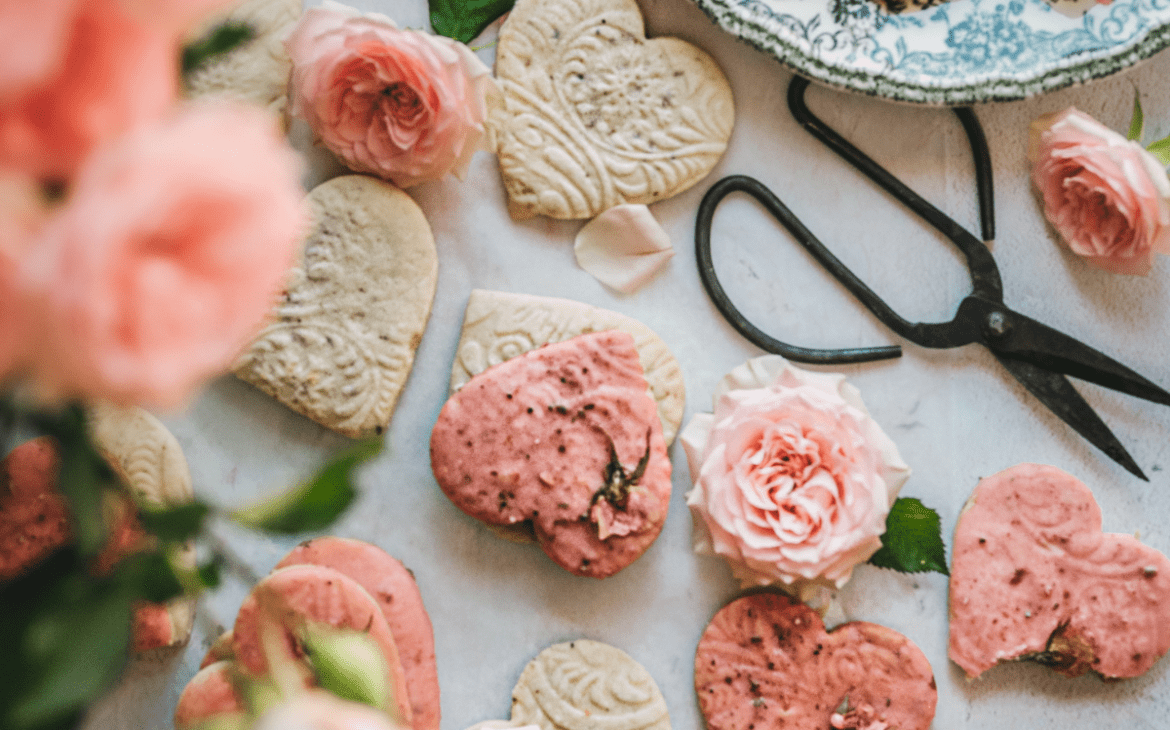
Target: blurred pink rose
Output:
[(401, 104), (166, 258), (1107, 197), (793, 479), (317, 709), (32, 41), (113, 72), (23, 213)]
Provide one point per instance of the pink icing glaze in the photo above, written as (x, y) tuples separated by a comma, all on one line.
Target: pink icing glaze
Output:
[(392, 586), (327, 596), (1034, 577), (766, 661), (529, 439), (210, 693), (34, 519)]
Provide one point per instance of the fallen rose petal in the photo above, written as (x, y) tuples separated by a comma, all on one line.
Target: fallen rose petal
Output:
[(623, 248)]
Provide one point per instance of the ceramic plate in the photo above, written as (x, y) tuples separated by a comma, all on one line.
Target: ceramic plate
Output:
[(963, 52)]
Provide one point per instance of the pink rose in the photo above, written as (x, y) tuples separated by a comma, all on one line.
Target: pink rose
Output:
[(113, 72), (23, 213), (793, 479), (1107, 197), (33, 37), (404, 105), (167, 256)]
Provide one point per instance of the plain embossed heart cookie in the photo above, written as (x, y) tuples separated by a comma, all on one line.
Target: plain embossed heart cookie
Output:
[(1035, 578), (342, 338), (587, 685), (595, 115), (766, 661)]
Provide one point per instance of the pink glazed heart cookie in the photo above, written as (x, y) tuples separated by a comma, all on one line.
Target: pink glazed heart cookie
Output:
[(766, 661), (564, 437), (1035, 578)]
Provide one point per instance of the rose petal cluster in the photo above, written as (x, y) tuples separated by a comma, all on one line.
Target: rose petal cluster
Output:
[(317, 709), (1108, 198), (170, 252), (404, 105), (793, 479)]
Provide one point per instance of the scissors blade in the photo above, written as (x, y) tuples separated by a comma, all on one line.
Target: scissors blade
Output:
[(1055, 391), (1041, 345)]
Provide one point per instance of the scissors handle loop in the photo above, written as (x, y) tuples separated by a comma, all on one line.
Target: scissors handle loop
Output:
[(759, 191)]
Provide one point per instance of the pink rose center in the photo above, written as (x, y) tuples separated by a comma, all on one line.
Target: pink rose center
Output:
[(788, 486)]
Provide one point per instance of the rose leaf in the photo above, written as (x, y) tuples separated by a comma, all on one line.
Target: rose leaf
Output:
[(218, 41), (177, 524), (913, 540), (463, 20), (1137, 122), (316, 504), (1161, 150)]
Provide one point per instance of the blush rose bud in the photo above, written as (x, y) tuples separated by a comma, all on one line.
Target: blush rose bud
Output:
[(1107, 198)]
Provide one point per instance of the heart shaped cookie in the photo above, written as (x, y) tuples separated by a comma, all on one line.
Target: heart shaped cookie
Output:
[(566, 439), (343, 335), (1035, 578), (595, 115), (766, 661), (500, 325), (257, 70), (587, 685)]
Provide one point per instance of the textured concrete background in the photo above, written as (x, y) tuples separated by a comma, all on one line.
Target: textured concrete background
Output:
[(956, 415)]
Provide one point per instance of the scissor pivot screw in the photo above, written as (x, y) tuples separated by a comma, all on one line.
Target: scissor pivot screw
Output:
[(996, 326)]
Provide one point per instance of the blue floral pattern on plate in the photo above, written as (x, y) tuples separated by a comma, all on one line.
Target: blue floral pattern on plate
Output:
[(962, 52)]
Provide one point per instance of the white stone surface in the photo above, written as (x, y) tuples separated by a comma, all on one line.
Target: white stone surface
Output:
[(956, 415)]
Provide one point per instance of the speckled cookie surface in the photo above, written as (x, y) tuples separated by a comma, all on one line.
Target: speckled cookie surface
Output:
[(595, 115), (1035, 578), (501, 325), (341, 341), (766, 661), (258, 70), (541, 439), (587, 685)]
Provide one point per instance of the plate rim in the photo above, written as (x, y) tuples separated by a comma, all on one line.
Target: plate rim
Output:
[(736, 19)]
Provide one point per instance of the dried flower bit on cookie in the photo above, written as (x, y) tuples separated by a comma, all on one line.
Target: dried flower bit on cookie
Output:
[(617, 482)]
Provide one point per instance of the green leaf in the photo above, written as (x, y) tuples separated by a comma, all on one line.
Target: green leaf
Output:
[(349, 664), (176, 524), (913, 540), (209, 573), (66, 636), (1161, 150), (1137, 122), (219, 40), (317, 504), (463, 20), (150, 576), (84, 476)]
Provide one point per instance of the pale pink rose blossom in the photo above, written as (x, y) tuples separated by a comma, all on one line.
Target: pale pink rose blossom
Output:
[(1108, 198), (404, 105), (793, 479), (114, 72), (170, 252)]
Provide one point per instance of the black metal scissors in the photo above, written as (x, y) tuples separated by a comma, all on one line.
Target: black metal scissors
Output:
[(1035, 354)]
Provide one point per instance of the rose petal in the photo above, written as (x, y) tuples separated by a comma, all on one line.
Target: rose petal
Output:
[(623, 248)]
